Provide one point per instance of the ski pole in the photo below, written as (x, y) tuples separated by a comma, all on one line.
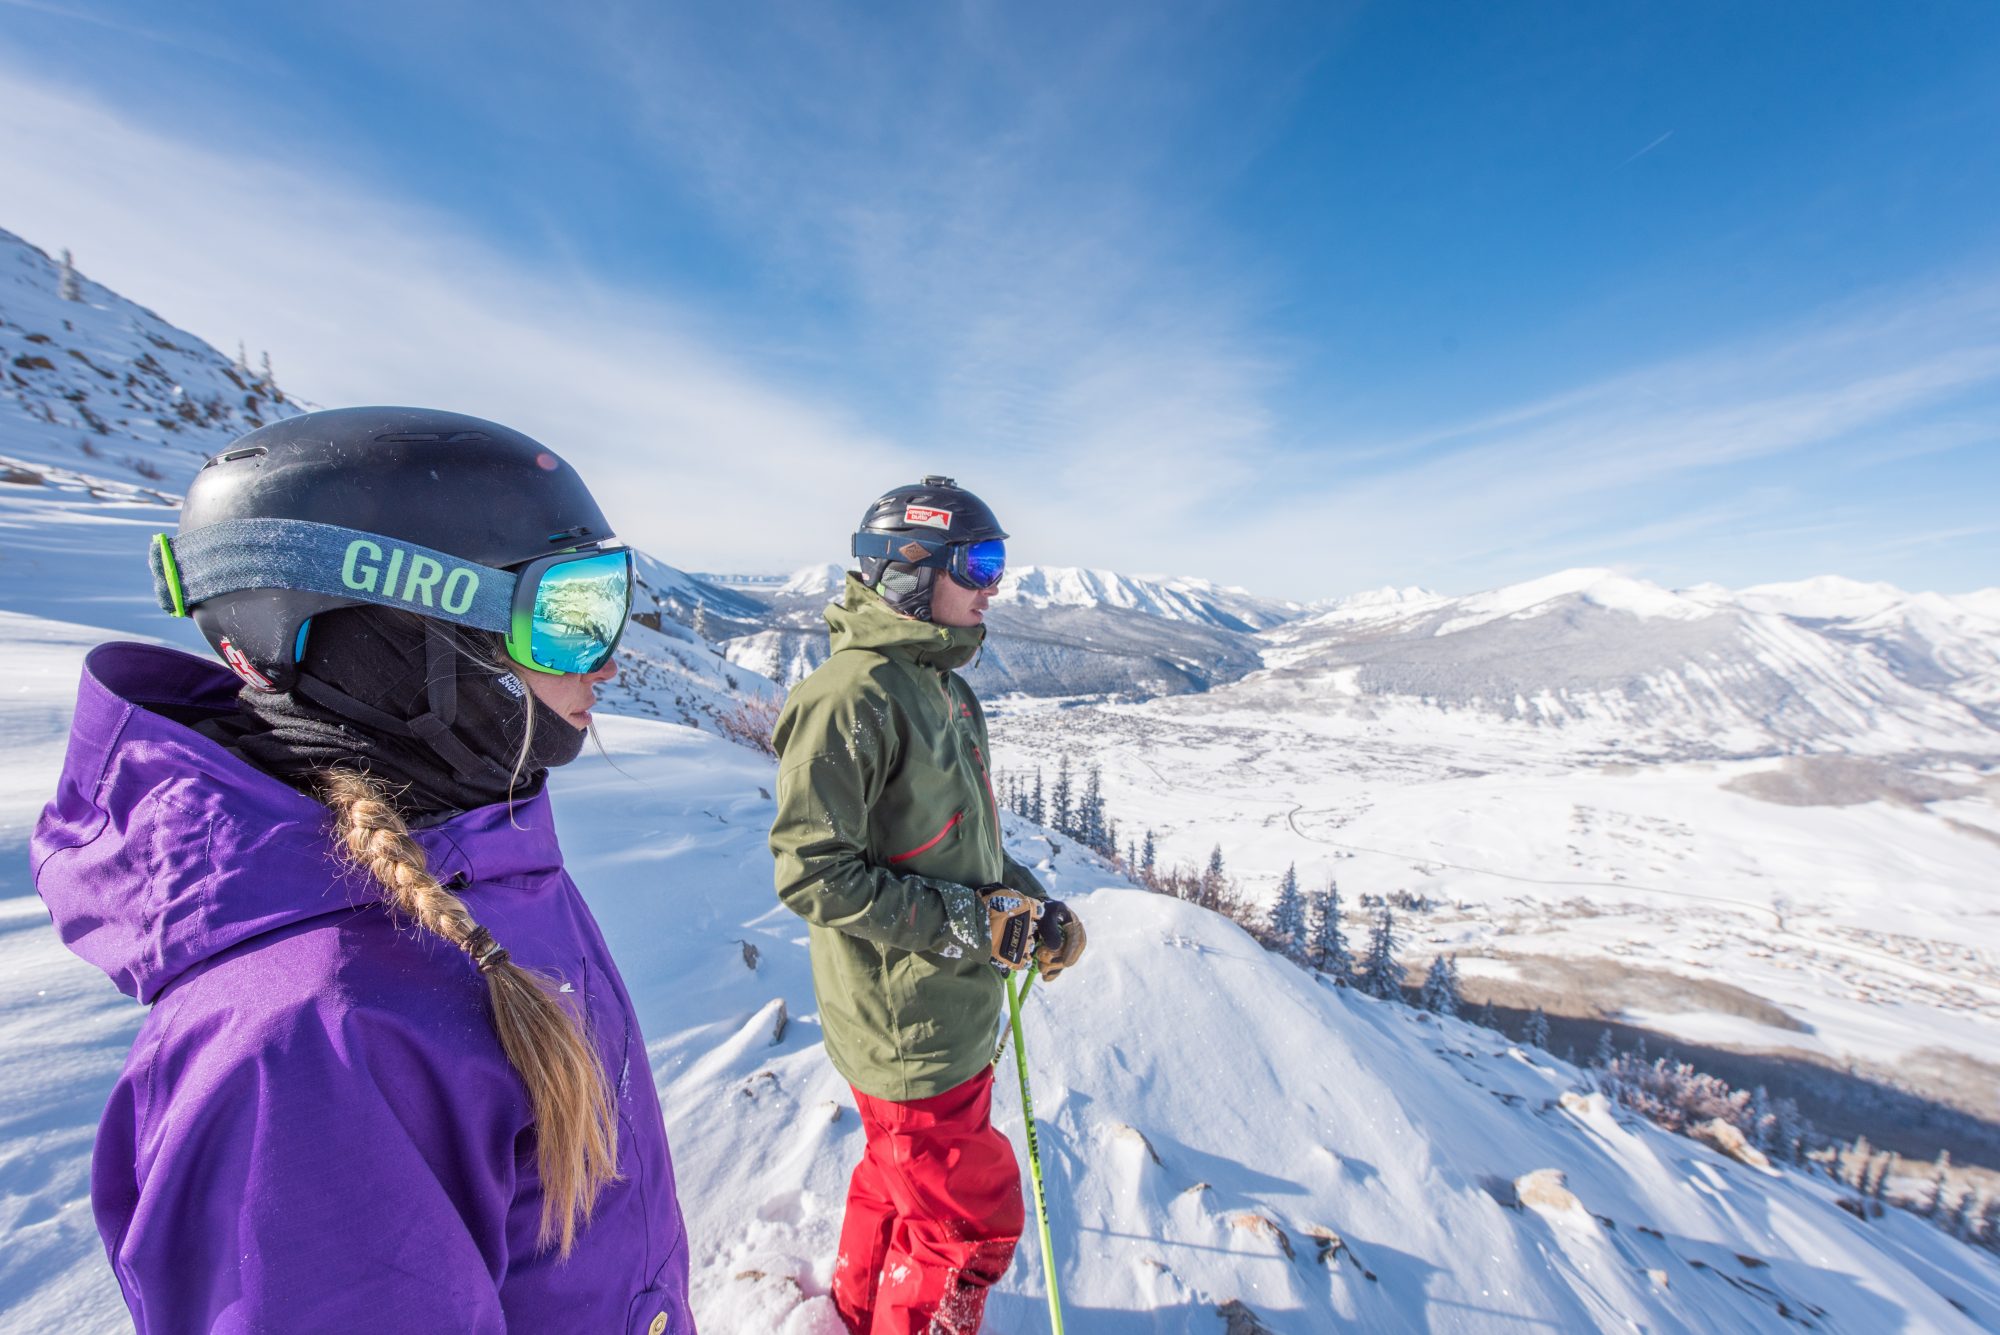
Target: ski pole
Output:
[(1034, 1150), (1033, 972)]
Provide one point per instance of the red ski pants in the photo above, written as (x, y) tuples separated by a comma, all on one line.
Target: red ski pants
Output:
[(933, 1213)]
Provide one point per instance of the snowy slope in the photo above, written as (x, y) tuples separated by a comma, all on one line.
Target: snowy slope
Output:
[(1208, 1111), (101, 385)]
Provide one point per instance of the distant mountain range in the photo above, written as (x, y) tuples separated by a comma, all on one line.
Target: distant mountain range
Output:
[(102, 400)]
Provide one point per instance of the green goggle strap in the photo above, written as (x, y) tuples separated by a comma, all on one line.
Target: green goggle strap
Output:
[(167, 577)]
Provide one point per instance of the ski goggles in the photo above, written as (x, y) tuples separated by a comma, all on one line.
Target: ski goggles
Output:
[(564, 612), (976, 565)]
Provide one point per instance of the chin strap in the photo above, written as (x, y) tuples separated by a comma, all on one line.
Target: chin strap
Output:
[(913, 598), (433, 729)]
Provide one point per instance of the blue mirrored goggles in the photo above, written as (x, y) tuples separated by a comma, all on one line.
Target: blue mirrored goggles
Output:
[(975, 565)]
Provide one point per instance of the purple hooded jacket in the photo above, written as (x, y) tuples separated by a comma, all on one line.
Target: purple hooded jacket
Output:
[(316, 1129)]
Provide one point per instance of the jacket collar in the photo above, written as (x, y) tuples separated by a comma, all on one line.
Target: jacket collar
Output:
[(861, 620)]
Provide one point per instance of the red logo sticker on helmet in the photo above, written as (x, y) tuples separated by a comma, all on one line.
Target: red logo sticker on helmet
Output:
[(240, 664), (924, 514)]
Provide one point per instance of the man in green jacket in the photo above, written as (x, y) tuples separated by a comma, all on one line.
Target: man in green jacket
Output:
[(887, 841)]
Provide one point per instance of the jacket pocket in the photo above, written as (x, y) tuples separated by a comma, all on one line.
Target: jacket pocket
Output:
[(950, 828)]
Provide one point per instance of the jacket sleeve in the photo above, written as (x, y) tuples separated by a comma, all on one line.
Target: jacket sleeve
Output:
[(304, 1180), (834, 756)]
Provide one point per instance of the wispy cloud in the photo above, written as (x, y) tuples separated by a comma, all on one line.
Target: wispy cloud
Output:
[(1001, 260), (1593, 470), (1013, 222), (365, 298)]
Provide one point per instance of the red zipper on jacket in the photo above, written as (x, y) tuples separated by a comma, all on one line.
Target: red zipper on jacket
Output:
[(933, 841)]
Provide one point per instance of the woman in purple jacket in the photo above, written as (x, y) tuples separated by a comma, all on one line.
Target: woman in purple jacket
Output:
[(390, 1080)]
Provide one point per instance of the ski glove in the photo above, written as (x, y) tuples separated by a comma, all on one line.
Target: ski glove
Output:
[(1060, 938), (1010, 918)]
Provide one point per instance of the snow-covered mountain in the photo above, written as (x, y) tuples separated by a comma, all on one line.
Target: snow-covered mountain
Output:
[(1056, 632), (1167, 598), (1622, 665), (1610, 664)]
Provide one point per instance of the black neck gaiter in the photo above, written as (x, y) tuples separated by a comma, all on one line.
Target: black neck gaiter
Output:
[(420, 706)]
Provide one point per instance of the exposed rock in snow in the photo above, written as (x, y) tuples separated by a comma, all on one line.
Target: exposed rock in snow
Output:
[(1731, 1142), (1546, 1190)]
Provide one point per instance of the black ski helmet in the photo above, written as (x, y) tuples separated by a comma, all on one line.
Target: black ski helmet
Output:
[(934, 510), (469, 488)]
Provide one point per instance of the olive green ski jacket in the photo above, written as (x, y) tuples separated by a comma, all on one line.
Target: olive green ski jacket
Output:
[(886, 826)]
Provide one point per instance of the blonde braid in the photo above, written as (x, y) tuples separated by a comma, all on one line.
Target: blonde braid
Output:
[(576, 1121)]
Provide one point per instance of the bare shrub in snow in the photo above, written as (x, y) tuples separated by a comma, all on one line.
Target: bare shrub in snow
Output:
[(751, 722)]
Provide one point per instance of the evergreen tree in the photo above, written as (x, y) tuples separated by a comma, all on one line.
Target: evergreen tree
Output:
[(1877, 1183), (1110, 849), (1440, 994), (1607, 1051), (267, 379), (1940, 1186), (1212, 880), (1148, 855), (67, 286), (1090, 811), (1856, 1162), (701, 620), (1788, 1132), (1062, 801), (1288, 917), (1385, 976), (1536, 1032), (1037, 808), (1486, 1019), (242, 366), (1131, 854), (1761, 1119), (1966, 1216), (1328, 947)]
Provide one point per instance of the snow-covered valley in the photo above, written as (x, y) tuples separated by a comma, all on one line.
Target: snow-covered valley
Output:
[(1232, 1144)]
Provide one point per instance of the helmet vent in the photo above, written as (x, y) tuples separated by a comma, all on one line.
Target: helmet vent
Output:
[(933, 480), (254, 452)]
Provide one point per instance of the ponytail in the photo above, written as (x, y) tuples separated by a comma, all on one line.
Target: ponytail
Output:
[(576, 1120)]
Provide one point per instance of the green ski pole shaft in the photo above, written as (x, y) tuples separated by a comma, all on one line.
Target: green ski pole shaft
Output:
[(1034, 971), (1034, 1149)]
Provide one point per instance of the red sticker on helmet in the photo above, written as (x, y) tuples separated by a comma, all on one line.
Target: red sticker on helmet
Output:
[(924, 514), (240, 664)]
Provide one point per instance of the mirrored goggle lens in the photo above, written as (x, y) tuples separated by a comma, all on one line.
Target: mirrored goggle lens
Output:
[(580, 609), (985, 563)]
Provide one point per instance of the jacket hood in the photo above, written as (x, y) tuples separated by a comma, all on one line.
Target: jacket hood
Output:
[(861, 620), (162, 849)]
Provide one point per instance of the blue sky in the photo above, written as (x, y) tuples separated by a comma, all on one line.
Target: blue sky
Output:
[(1308, 298)]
